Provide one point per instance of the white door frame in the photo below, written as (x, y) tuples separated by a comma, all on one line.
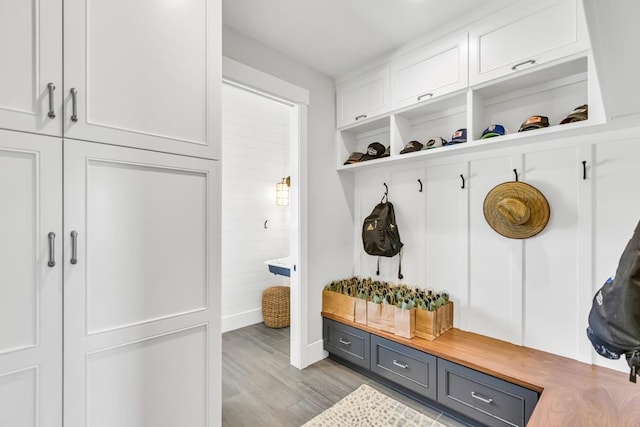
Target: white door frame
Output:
[(252, 79)]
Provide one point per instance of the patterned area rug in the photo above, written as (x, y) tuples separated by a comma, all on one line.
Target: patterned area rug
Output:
[(367, 407)]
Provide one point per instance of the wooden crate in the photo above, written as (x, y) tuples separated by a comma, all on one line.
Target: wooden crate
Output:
[(339, 305)]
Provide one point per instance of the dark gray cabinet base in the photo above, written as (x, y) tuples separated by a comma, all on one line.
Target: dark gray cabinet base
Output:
[(471, 396)]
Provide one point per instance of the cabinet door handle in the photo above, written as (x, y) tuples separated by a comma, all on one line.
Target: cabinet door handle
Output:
[(52, 114), (480, 398), (528, 61), (361, 116), (400, 365), (74, 104), (74, 247), (52, 255), (430, 95), (344, 342)]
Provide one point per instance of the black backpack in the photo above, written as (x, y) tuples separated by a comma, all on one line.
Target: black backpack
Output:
[(380, 235), (614, 319)]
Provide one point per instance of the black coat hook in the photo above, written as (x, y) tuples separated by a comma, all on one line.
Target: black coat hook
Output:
[(420, 182), (584, 169), (386, 192), (462, 178), (265, 223), (515, 171)]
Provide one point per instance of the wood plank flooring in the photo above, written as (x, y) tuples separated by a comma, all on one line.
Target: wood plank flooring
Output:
[(261, 388)]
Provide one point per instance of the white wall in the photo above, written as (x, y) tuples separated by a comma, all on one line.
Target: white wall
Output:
[(329, 195), (255, 149)]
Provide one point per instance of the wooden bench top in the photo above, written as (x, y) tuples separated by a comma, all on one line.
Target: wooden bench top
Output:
[(573, 393)]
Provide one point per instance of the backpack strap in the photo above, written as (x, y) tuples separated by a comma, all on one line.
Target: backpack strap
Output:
[(400, 276), (378, 267), (633, 359)]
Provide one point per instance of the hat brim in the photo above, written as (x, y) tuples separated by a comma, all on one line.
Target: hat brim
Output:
[(490, 135), (536, 202)]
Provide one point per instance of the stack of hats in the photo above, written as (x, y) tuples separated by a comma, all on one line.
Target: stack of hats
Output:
[(534, 122), (411, 147), (435, 142), (494, 130), (458, 137), (375, 150), (578, 114)]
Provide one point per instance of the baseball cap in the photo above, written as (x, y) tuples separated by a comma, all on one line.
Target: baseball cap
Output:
[(375, 150), (494, 130), (411, 147), (436, 142), (458, 136), (534, 122), (578, 114), (355, 157)]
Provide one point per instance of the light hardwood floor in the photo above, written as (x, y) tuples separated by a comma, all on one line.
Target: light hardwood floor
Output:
[(261, 388)]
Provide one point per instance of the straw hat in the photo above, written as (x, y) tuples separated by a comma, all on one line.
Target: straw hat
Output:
[(516, 210)]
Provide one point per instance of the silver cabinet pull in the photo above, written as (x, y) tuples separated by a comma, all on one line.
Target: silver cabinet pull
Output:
[(361, 116), (52, 255), (480, 398), (528, 61), (430, 95), (52, 114), (344, 342), (74, 247), (400, 365), (74, 104)]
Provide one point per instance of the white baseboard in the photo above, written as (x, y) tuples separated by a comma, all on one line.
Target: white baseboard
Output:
[(315, 353), (240, 320)]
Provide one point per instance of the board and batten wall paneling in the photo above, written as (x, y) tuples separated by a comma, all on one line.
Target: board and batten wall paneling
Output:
[(551, 257), (255, 149)]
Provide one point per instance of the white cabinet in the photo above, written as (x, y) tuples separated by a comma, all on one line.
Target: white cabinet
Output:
[(141, 287), (435, 70), (363, 97), (30, 280), (534, 34), (145, 74), (31, 89)]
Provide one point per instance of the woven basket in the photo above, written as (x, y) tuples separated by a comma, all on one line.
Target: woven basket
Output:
[(275, 306)]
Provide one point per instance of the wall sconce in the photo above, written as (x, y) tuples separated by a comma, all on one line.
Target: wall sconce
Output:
[(282, 192)]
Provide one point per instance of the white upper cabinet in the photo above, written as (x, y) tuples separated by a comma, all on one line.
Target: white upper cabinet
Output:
[(536, 33), (363, 97), (143, 74), (430, 72), (31, 71)]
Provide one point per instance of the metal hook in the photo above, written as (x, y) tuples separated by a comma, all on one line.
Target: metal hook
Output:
[(386, 189), (462, 178), (265, 223), (515, 171), (584, 169), (420, 182)]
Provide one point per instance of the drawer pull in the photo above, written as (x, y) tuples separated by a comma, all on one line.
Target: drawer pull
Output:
[(361, 116), (74, 104), (480, 398), (400, 365), (430, 95), (52, 256), (529, 61), (52, 113), (341, 341)]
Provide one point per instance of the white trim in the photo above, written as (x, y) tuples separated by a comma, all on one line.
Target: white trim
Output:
[(240, 320), (258, 81), (263, 82), (315, 352)]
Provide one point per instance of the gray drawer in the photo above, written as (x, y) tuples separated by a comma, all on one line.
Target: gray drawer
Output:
[(482, 397), (405, 366), (346, 342)]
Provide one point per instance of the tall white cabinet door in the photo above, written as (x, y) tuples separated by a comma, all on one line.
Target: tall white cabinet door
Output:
[(31, 70), (145, 74), (142, 295), (446, 256), (30, 280)]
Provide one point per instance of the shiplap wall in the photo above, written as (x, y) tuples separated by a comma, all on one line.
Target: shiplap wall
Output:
[(255, 153)]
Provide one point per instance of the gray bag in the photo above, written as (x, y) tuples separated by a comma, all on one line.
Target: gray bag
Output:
[(614, 319)]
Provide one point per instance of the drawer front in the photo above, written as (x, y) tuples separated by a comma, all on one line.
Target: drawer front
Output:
[(346, 342), (483, 397), (405, 366)]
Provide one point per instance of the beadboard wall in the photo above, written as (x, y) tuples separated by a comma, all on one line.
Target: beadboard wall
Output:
[(255, 147)]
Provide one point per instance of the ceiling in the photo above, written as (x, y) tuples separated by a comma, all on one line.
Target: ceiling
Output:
[(335, 36)]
